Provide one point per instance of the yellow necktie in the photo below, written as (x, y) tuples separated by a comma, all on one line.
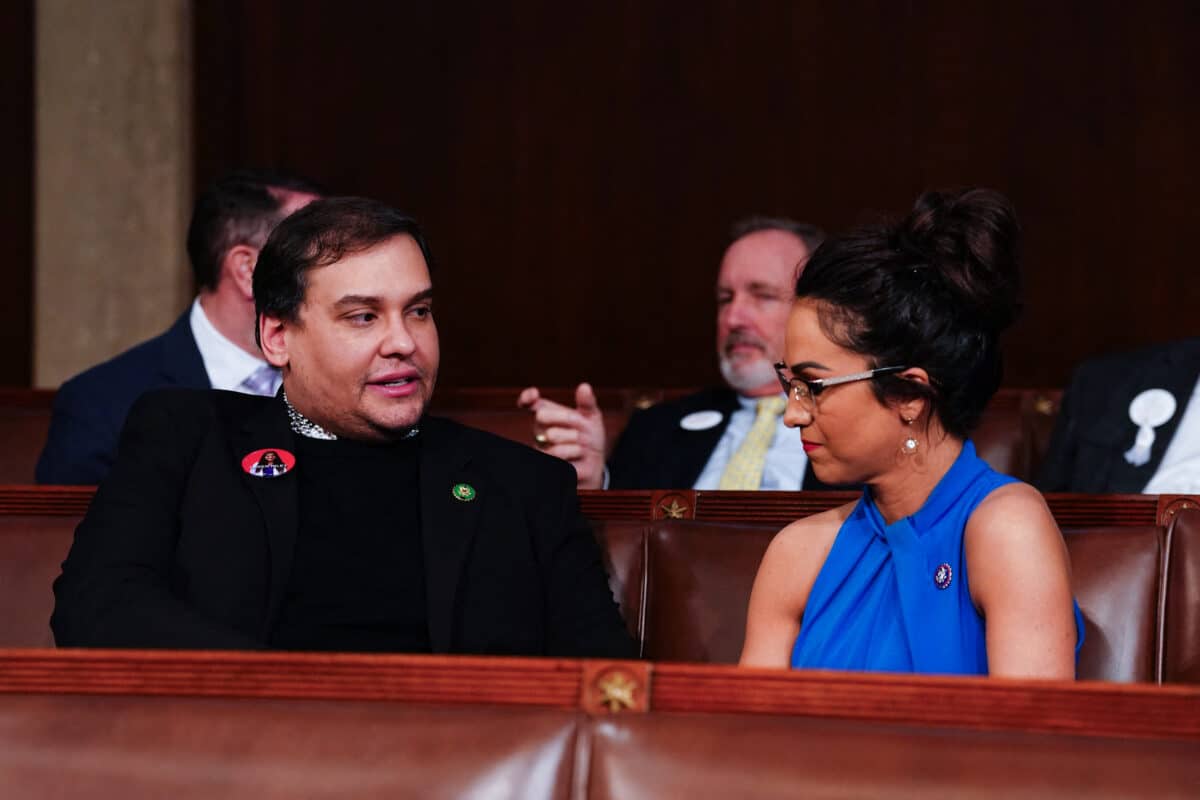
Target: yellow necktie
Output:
[(745, 469)]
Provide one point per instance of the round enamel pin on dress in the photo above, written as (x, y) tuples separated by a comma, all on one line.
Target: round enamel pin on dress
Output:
[(701, 420), (270, 462), (463, 491), (942, 576)]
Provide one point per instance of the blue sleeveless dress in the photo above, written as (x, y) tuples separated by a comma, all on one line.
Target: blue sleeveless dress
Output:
[(896, 598)]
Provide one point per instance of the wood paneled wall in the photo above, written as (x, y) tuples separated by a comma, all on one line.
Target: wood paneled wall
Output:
[(577, 165), (16, 194)]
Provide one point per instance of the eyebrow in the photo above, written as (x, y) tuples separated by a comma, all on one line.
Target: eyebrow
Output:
[(803, 365), (372, 301), (755, 286), (356, 300)]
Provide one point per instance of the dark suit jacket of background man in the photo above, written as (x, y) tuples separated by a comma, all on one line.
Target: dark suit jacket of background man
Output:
[(90, 408), (1093, 431), (654, 452), (181, 548)]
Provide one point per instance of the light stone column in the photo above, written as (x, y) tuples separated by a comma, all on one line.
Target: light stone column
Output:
[(112, 177)]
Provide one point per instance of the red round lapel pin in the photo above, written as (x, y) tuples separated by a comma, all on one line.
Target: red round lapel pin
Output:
[(270, 462)]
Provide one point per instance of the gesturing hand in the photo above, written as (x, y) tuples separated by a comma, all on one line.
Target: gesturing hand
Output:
[(572, 434)]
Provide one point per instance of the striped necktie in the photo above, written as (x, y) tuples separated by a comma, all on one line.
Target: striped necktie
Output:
[(263, 380), (745, 468)]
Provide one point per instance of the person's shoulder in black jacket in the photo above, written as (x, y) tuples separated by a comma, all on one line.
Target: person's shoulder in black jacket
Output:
[(1095, 426)]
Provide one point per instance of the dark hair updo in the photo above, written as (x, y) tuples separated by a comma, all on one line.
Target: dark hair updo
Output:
[(933, 291)]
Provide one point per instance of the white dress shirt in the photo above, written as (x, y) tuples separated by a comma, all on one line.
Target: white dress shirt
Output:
[(227, 364), (786, 459), (1179, 472)]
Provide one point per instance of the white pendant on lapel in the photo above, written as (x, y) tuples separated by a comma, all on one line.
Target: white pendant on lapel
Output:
[(701, 420), (270, 462), (1148, 410)]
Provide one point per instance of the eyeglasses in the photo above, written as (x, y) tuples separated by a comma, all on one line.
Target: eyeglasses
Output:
[(804, 391)]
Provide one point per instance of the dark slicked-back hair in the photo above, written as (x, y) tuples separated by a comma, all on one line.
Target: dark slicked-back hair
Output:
[(811, 235), (932, 291), (321, 233), (240, 207)]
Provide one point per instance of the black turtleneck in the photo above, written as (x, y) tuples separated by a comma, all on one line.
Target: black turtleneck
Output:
[(358, 574)]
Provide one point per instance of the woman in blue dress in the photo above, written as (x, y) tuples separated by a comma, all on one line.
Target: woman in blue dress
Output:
[(942, 565), (269, 465)]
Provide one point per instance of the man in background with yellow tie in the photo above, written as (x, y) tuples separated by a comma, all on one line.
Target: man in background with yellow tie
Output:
[(728, 437)]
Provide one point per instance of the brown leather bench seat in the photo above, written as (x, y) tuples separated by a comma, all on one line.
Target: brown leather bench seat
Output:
[(182, 747), (32, 549), (24, 422), (1181, 602), (756, 756), (697, 576), (132, 724), (684, 586)]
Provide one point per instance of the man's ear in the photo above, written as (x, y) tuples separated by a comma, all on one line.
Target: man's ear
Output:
[(913, 409), (238, 267), (272, 335)]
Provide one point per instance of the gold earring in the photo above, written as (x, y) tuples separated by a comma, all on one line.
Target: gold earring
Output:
[(910, 444)]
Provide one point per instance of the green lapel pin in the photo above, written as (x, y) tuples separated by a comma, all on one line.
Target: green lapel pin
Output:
[(464, 492)]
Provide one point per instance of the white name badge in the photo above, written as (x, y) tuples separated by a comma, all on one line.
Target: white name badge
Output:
[(1148, 410), (701, 420)]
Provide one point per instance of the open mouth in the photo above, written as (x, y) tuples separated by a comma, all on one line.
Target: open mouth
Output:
[(398, 386)]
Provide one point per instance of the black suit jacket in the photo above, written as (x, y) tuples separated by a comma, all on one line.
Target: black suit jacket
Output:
[(181, 548), (90, 408), (654, 452), (1093, 431)]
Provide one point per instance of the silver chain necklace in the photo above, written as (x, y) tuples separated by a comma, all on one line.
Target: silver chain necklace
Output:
[(303, 425), (309, 429)]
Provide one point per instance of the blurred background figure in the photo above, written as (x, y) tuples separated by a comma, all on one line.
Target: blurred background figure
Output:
[(211, 345), (727, 437), (1129, 423)]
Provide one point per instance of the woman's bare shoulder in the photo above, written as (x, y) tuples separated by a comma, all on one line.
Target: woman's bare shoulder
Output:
[(1014, 506), (1020, 580), (811, 536), (1013, 533), (787, 573)]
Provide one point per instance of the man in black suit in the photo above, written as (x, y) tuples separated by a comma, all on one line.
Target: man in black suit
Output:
[(335, 516), (1129, 423), (210, 345), (691, 442)]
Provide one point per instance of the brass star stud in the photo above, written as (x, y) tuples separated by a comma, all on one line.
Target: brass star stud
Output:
[(616, 691), (674, 511)]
